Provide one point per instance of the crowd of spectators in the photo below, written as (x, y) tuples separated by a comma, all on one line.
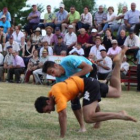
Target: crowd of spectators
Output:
[(97, 37)]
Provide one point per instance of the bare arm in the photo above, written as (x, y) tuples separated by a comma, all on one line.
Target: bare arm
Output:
[(63, 122)]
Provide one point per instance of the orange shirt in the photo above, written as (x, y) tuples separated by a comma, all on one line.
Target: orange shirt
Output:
[(66, 91)]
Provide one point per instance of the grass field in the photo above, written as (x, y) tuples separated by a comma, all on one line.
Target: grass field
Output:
[(20, 121)]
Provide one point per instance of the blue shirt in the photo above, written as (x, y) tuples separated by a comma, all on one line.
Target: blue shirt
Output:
[(61, 16), (70, 64), (138, 57), (5, 25), (34, 20), (8, 16)]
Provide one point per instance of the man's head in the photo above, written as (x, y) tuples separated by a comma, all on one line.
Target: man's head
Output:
[(11, 39), (72, 9), (10, 49), (49, 30), (82, 31), (52, 68), (124, 10), (44, 105), (131, 34), (63, 53), (61, 6), (70, 28), (114, 43), (5, 10), (45, 44), (78, 46), (133, 6), (44, 53), (48, 8), (57, 30), (122, 33), (98, 41), (34, 7), (14, 53), (3, 18), (94, 32), (60, 39), (103, 53), (101, 9)]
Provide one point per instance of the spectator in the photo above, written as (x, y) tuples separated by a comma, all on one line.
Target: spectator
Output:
[(97, 47), (1, 65), (58, 48), (6, 13), (9, 33), (17, 68), (27, 52), (77, 50), (107, 39), (38, 72), (49, 35), (138, 71), (86, 20), (49, 19), (121, 38), (100, 18), (32, 65), (18, 36), (63, 53), (104, 65), (46, 47), (54, 39), (92, 58), (61, 17), (70, 38), (131, 18), (2, 38), (111, 16), (133, 42), (34, 19), (5, 23), (114, 50), (12, 43)]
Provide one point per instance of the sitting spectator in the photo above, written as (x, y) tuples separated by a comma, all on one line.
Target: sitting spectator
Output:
[(38, 72), (10, 32), (124, 67), (63, 53), (61, 17), (78, 50), (34, 19), (133, 42), (2, 37), (49, 35), (121, 38), (97, 47), (12, 43), (92, 58), (131, 18), (107, 39), (70, 38), (110, 19), (36, 37), (46, 47), (27, 52), (8, 60), (114, 50), (1, 65), (83, 37), (86, 20), (32, 65), (5, 23), (104, 65), (18, 36), (73, 17), (17, 68), (49, 19), (54, 39), (138, 71), (119, 25), (100, 18), (6, 13), (58, 48)]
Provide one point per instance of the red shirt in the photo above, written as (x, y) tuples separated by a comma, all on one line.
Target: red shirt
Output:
[(83, 39)]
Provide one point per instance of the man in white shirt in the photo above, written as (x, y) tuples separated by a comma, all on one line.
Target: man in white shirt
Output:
[(97, 47), (70, 38), (1, 65), (104, 65)]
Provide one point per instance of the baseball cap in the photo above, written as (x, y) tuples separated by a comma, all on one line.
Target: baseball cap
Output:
[(59, 37), (9, 47), (93, 30), (57, 29), (70, 26), (114, 41), (3, 16), (62, 5), (103, 50)]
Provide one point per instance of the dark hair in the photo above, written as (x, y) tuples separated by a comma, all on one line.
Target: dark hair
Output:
[(86, 7), (72, 7), (1, 27), (47, 64), (40, 103)]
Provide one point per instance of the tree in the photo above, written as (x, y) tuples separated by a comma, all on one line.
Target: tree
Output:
[(120, 7), (79, 4)]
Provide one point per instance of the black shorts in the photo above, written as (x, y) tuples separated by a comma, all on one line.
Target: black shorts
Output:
[(93, 91)]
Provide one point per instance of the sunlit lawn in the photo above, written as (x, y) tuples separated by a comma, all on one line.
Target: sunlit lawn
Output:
[(20, 121)]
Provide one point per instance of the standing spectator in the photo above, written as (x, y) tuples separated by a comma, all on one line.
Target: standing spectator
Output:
[(6, 13), (32, 65), (49, 19), (131, 18), (58, 48), (49, 35), (107, 39), (138, 70), (86, 20), (114, 50), (104, 65), (121, 38), (18, 68), (18, 36), (34, 19), (61, 17), (100, 18), (2, 38), (70, 38), (1, 66), (5, 23)]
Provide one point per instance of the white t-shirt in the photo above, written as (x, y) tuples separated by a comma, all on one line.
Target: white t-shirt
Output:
[(80, 51), (1, 59), (125, 65), (111, 51), (15, 46), (1, 48), (109, 17), (47, 38), (50, 51), (18, 37), (86, 19)]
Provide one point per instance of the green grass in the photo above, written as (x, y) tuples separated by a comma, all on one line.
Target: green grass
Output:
[(20, 121)]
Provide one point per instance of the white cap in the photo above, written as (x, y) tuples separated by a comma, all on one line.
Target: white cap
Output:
[(114, 41), (3, 16), (71, 26), (62, 5), (37, 29), (93, 30)]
